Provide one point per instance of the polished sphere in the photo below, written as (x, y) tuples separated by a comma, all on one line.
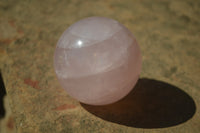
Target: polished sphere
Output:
[(97, 61)]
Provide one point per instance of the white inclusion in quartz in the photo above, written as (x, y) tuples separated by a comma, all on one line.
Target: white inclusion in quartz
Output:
[(90, 31)]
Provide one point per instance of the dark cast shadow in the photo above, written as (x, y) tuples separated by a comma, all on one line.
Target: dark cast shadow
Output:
[(151, 104), (2, 94)]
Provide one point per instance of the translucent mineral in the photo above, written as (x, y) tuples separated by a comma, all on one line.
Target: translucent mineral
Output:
[(97, 61)]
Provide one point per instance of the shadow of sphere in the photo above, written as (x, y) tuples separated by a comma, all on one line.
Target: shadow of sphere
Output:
[(151, 104)]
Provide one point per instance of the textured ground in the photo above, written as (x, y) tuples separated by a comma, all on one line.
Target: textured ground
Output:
[(169, 36)]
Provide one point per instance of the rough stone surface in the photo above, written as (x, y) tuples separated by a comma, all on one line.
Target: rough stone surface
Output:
[(168, 34), (97, 61)]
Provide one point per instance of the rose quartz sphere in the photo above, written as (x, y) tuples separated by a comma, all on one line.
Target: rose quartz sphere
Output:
[(97, 61)]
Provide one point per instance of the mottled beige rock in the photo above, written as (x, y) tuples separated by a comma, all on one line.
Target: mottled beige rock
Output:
[(7, 124), (168, 34)]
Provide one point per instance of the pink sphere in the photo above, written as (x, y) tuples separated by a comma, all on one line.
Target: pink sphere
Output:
[(97, 61)]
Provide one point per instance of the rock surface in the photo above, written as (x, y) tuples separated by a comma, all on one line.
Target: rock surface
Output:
[(168, 34)]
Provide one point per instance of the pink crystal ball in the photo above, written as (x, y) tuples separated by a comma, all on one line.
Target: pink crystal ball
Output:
[(97, 61)]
